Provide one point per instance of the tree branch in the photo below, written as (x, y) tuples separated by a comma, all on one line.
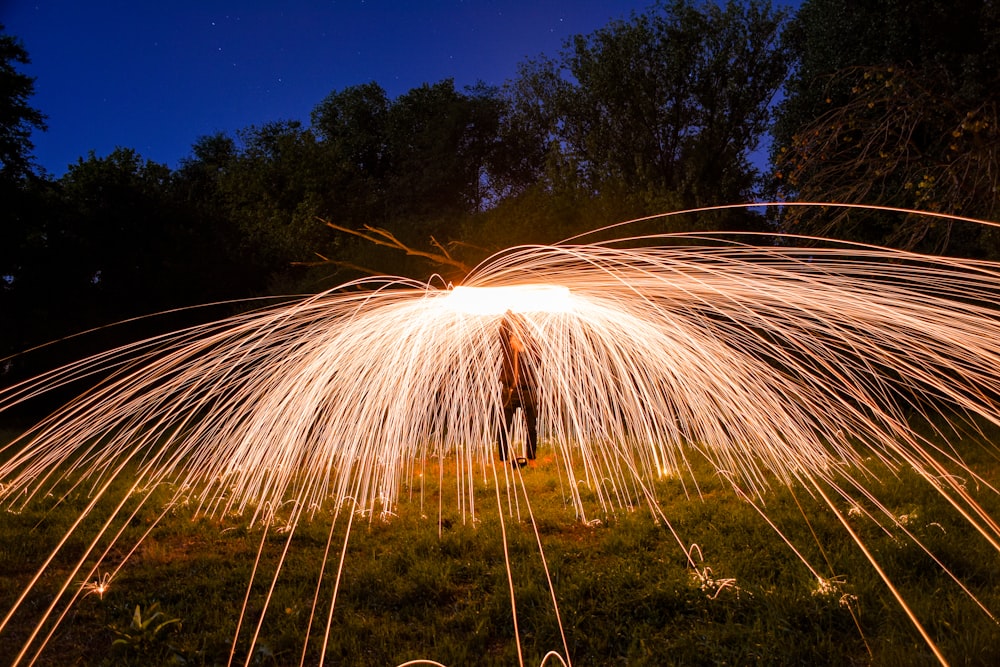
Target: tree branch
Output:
[(326, 261), (385, 238)]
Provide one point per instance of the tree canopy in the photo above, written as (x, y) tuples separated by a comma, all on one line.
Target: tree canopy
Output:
[(894, 103), (17, 118), (887, 102), (667, 106)]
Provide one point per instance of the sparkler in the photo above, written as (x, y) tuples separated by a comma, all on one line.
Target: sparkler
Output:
[(782, 365)]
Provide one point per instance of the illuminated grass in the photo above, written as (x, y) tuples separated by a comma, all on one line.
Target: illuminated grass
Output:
[(626, 595)]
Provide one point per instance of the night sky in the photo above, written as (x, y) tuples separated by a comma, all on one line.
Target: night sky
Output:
[(156, 76)]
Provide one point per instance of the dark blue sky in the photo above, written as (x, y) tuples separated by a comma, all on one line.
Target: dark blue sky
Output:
[(156, 76)]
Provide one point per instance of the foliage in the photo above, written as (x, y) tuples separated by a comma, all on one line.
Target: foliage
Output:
[(274, 190), (414, 166), (18, 184), (352, 125), (894, 104), (82, 250), (671, 101), (145, 636), (109, 240), (17, 118), (440, 145)]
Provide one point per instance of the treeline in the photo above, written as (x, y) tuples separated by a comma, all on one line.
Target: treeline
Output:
[(891, 102)]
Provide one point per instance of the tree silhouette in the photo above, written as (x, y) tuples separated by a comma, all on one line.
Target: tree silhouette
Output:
[(894, 103), (17, 118), (667, 105)]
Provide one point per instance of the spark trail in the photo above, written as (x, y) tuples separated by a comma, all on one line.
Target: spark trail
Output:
[(775, 365)]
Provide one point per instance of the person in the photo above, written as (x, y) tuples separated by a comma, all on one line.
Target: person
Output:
[(518, 385)]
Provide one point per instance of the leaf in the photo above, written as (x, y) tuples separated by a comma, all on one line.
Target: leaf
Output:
[(170, 621), (137, 618)]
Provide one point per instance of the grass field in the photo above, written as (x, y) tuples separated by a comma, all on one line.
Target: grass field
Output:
[(417, 584)]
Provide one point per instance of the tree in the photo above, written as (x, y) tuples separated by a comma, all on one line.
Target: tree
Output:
[(666, 106), (415, 166), (894, 103), (212, 157), (104, 244), (21, 213), (17, 118), (440, 142), (276, 188), (112, 241), (352, 124)]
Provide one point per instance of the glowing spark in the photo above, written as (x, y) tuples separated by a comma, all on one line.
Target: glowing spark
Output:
[(772, 364), (98, 586)]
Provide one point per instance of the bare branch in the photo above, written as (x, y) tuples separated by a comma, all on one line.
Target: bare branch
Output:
[(385, 238)]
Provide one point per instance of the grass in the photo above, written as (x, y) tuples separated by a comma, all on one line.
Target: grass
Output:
[(625, 590)]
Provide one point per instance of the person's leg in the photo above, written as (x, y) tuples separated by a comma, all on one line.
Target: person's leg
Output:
[(531, 421), (509, 408)]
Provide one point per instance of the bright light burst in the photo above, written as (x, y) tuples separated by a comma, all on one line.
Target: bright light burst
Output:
[(775, 364), (510, 298)]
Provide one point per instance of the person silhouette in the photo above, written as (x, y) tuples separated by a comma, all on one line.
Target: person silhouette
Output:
[(518, 385)]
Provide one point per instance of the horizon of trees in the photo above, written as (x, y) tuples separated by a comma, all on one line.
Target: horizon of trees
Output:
[(656, 113)]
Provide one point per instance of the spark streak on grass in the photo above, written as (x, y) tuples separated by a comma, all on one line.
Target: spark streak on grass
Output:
[(774, 364)]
